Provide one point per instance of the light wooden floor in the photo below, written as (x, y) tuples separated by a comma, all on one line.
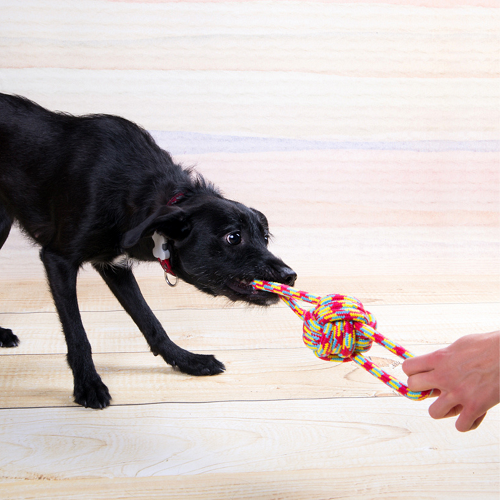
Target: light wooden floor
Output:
[(368, 134)]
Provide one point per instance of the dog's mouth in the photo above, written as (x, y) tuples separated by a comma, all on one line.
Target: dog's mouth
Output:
[(241, 286), (243, 290)]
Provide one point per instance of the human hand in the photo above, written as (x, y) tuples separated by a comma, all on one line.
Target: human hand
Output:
[(465, 376)]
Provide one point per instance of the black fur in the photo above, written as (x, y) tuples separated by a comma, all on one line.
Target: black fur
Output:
[(94, 189)]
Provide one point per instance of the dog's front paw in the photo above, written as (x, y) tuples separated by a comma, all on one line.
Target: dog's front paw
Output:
[(93, 394), (7, 338), (199, 364)]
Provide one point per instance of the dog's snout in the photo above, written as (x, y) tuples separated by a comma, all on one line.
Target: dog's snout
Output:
[(288, 276)]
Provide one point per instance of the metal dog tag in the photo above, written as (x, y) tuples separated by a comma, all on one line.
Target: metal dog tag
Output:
[(160, 250)]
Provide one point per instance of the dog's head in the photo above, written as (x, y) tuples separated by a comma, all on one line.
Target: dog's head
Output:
[(217, 245)]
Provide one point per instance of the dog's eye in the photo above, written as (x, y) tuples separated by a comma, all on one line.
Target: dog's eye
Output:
[(266, 237), (234, 238)]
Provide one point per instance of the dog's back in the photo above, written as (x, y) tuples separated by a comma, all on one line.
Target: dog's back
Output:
[(58, 171), (27, 131)]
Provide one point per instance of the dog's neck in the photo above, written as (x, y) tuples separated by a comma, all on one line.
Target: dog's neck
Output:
[(160, 250)]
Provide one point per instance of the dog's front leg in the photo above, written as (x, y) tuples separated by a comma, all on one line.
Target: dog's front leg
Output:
[(7, 338), (89, 390), (122, 283)]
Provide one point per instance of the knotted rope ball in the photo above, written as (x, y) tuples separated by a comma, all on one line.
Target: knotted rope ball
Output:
[(338, 328), (333, 329)]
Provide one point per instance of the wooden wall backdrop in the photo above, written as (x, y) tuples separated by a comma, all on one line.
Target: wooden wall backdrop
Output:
[(368, 132)]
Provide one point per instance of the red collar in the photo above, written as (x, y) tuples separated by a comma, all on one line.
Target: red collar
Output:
[(177, 197), (167, 267), (165, 262)]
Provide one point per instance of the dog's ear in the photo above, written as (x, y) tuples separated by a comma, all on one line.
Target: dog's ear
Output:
[(262, 218), (171, 220)]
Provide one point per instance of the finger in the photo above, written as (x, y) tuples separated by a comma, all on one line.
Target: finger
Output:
[(468, 421), (419, 364), (421, 382), (454, 412), (477, 422), (435, 393), (444, 407)]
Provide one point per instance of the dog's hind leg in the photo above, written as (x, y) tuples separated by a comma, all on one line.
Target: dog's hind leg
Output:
[(89, 390), (122, 283), (7, 338)]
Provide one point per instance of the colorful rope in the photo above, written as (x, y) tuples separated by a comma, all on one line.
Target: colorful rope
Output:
[(338, 328)]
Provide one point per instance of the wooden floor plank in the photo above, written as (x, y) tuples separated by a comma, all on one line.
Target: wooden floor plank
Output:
[(242, 328), (246, 437), (371, 249), (251, 374), (21, 295), (374, 482), (270, 104), (293, 41)]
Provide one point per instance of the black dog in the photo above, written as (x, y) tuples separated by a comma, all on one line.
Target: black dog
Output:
[(95, 189)]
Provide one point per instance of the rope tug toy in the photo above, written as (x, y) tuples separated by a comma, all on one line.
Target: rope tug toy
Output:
[(339, 329)]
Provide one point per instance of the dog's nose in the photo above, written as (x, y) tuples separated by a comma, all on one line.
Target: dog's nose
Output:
[(288, 276)]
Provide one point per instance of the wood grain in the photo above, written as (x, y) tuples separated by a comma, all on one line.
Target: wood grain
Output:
[(32, 296), (240, 328), (251, 374), (169, 439), (257, 37), (314, 484)]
